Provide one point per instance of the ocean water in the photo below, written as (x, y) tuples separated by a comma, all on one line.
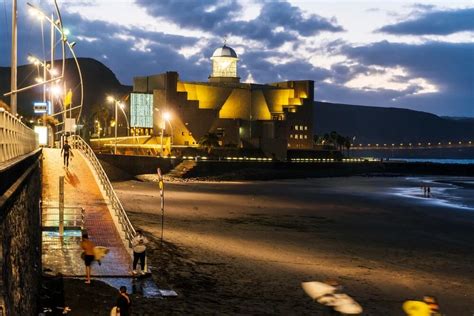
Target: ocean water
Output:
[(445, 161), (449, 192)]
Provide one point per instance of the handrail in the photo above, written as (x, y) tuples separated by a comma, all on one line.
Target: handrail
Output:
[(78, 143), (16, 139)]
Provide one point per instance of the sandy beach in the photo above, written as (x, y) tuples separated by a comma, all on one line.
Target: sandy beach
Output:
[(245, 247)]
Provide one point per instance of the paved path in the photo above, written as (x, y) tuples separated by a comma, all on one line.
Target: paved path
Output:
[(81, 190)]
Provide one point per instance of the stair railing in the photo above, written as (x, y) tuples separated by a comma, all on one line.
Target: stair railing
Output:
[(127, 227)]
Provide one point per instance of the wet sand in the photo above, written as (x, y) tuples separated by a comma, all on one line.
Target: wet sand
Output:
[(245, 247)]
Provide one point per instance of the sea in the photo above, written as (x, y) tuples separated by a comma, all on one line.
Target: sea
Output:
[(443, 161)]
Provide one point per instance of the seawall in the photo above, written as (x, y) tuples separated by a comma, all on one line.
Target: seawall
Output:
[(20, 194)]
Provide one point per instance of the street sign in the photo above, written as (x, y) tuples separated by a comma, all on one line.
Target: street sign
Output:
[(70, 125), (162, 201), (42, 107)]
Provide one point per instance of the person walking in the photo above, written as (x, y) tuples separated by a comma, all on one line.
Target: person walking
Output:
[(139, 243), (123, 302), (67, 151), (88, 247)]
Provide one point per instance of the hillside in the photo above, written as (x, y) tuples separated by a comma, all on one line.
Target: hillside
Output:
[(371, 124), (99, 81), (367, 123)]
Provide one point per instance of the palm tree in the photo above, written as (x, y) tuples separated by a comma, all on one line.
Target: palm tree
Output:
[(347, 144), (210, 140)]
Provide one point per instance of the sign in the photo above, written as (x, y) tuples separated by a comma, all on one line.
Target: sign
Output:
[(70, 125), (42, 132), (42, 107), (141, 110)]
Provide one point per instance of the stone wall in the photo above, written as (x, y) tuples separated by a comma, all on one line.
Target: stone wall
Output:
[(21, 241)]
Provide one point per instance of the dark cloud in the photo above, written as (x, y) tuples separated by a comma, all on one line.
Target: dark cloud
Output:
[(202, 14), (434, 23), (221, 20)]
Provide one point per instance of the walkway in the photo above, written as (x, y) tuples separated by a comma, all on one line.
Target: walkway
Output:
[(62, 255)]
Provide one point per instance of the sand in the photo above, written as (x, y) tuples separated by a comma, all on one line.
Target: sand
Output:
[(245, 247)]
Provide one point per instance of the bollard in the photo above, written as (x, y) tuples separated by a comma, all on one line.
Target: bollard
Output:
[(61, 206)]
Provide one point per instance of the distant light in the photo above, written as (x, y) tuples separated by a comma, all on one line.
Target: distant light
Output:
[(167, 116), (39, 80), (110, 98), (122, 106), (56, 90)]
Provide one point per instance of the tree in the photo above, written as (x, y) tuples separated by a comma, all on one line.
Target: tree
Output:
[(210, 140), (348, 144)]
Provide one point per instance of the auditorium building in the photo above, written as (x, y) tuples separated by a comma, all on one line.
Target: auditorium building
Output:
[(273, 117)]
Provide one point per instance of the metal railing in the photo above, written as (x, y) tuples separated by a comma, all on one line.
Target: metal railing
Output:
[(73, 217), (127, 227), (16, 139)]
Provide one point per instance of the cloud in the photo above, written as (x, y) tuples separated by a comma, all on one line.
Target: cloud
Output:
[(434, 23), (278, 21), (447, 66)]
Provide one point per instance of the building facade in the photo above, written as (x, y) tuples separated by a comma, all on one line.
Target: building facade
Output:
[(270, 117)]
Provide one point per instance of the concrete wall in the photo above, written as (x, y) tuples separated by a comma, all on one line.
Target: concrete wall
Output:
[(134, 165), (21, 236)]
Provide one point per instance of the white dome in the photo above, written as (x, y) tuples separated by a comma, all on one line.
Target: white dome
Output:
[(225, 51)]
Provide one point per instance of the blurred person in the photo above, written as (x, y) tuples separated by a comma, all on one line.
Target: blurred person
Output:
[(88, 247), (139, 243), (123, 302), (67, 151)]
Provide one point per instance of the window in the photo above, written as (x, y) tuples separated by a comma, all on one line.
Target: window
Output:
[(291, 135), (296, 127), (305, 136), (190, 134), (306, 128), (301, 127)]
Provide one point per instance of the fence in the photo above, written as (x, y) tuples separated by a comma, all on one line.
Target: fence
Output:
[(127, 227), (16, 139)]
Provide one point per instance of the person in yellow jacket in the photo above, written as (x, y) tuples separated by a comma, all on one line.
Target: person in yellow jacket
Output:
[(88, 247)]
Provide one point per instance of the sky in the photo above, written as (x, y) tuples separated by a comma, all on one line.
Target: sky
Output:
[(391, 53)]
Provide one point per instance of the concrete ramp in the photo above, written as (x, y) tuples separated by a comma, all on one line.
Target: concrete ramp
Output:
[(81, 191)]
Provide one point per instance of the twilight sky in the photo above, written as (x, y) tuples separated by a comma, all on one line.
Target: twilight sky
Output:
[(390, 53)]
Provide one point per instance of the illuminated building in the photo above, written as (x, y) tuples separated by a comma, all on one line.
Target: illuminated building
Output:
[(270, 117)]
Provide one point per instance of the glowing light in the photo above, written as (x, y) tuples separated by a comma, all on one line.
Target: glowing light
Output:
[(56, 90), (66, 31), (167, 116), (110, 98), (39, 80), (54, 72)]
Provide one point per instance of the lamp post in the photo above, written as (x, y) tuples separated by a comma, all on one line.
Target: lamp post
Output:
[(166, 117), (120, 105)]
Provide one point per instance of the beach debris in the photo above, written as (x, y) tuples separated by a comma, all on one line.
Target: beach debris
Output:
[(329, 295), (428, 307)]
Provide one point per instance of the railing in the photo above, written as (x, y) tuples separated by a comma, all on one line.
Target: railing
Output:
[(16, 139), (73, 217), (79, 143)]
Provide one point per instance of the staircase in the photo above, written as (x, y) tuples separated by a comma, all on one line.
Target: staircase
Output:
[(182, 169)]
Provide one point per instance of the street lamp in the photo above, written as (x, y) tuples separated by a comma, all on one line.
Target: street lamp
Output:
[(166, 118), (120, 105)]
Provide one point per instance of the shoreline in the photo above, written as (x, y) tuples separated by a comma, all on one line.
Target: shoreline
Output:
[(244, 248)]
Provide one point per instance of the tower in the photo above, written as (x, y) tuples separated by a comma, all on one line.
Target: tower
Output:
[(224, 65)]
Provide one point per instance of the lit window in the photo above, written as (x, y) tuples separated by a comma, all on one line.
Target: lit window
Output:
[(296, 127), (306, 128), (301, 127), (289, 145), (291, 135), (190, 134), (305, 136)]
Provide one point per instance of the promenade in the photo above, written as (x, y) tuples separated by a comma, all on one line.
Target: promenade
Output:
[(62, 254)]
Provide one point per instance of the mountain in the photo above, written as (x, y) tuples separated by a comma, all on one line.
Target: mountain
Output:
[(99, 81), (369, 124)]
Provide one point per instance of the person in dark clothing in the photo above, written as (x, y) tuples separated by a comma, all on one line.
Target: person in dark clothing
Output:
[(67, 151), (123, 302)]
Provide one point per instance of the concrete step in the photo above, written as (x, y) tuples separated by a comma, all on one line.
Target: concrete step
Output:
[(182, 169)]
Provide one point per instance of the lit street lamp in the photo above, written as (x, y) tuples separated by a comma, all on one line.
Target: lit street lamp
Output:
[(120, 105)]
